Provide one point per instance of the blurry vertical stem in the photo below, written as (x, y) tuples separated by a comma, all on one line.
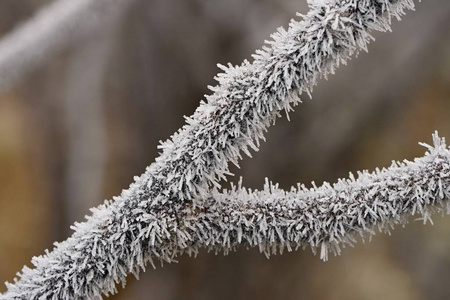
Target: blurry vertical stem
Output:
[(84, 116)]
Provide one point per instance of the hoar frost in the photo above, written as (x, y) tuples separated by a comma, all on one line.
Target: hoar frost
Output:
[(173, 209)]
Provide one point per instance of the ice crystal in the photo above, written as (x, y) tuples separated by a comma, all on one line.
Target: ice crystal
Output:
[(171, 209)]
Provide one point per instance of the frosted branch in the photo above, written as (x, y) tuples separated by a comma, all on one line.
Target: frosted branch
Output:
[(326, 217), (102, 251), (166, 211)]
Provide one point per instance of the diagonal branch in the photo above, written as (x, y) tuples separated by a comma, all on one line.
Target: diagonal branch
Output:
[(148, 221)]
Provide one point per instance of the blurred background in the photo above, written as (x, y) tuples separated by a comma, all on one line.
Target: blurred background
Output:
[(77, 126)]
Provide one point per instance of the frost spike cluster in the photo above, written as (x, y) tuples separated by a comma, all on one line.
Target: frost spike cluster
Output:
[(146, 221)]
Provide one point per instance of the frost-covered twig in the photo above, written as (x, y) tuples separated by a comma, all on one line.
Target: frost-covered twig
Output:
[(149, 219), (326, 217), (52, 29)]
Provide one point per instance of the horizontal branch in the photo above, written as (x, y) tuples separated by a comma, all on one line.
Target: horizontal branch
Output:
[(273, 220), (325, 217)]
